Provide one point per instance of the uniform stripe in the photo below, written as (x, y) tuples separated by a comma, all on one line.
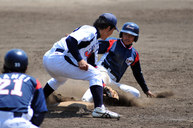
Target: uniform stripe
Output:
[(136, 59), (84, 44), (110, 44), (38, 86)]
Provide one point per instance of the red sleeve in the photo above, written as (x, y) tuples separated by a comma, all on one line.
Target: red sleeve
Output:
[(110, 44), (38, 86), (136, 59), (104, 84)]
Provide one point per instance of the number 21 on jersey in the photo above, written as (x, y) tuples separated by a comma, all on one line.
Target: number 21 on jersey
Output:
[(16, 89)]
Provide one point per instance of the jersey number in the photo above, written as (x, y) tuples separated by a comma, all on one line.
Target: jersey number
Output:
[(15, 91)]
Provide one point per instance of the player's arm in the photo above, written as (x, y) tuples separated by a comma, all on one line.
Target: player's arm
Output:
[(38, 105), (136, 69), (91, 60), (105, 45), (72, 44), (37, 119)]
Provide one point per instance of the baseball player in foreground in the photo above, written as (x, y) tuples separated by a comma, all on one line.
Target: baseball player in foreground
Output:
[(22, 102), (68, 58), (119, 54)]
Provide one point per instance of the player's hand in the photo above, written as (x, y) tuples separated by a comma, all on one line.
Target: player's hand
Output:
[(83, 65), (66, 34), (149, 94)]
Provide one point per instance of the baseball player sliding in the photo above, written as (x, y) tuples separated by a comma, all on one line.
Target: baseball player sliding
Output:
[(119, 54), (22, 102), (68, 59)]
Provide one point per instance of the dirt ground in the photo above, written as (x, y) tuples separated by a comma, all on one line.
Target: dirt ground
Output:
[(164, 45)]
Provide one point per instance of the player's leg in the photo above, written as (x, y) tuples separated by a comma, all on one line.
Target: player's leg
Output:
[(53, 85), (53, 62), (109, 79), (96, 89), (47, 90), (18, 123), (59, 68), (129, 89), (95, 82), (53, 66), (87, 97), (99, 109), (93, 75), (11, 120)]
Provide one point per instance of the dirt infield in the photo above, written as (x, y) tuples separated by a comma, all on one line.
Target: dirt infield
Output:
[(164, 46)]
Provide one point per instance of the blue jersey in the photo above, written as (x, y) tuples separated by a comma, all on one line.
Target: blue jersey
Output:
[(119, 58), (19, 91)]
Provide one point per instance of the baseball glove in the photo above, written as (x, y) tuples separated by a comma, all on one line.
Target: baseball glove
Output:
[(109, 92)]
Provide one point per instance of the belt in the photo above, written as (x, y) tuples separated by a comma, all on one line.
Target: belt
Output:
[(66, 57), (107, 67), (17, 114), (59, 50)]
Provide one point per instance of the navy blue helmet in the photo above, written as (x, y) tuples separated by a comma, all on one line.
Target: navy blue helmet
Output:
[(130, 28), (15, 60)]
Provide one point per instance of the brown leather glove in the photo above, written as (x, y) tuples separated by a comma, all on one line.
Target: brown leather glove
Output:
[(109, 92)]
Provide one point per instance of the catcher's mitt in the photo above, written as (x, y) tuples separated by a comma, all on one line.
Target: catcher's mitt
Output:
[(109, 92)]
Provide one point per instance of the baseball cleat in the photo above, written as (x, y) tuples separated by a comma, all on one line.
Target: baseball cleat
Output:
[(102, 112)]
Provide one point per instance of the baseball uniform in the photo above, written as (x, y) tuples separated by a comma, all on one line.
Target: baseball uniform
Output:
[(21, 97), (61, 64), (113, 64)]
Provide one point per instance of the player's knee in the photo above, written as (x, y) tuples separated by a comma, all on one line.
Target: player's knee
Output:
[(86, 99), (55, 84), (136, 94), (96, 80)]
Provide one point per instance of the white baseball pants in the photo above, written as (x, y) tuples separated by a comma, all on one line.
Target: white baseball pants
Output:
[(61, 70), (108, 79), (7, 120)]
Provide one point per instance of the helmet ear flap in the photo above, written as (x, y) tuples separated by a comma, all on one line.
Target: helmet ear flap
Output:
[(120, 35), (136, 38)]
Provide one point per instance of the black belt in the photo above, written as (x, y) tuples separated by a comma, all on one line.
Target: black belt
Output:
[(66, 57), (17, 114), (59, 50), (107, 67)]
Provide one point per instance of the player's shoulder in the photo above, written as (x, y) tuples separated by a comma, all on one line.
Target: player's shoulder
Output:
[(33, 81), (88, 28), (16, 75), (32, 77), (85, 31), (111, 38), (134, 50)]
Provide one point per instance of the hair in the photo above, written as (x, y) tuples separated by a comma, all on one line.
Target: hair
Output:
[(8, 70), (102, 23)]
